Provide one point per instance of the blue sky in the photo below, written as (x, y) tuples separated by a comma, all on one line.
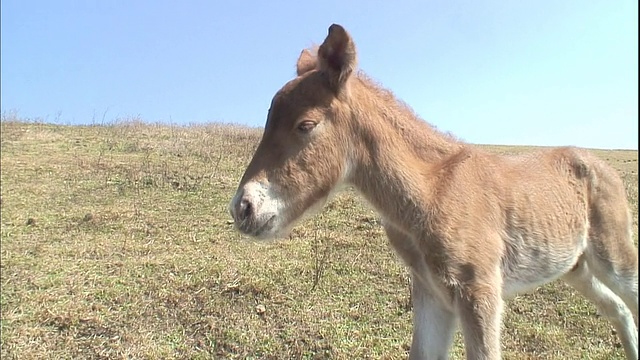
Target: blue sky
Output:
[(544, 72)]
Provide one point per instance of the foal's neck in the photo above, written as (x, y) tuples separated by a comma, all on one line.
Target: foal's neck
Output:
[(401, 155)]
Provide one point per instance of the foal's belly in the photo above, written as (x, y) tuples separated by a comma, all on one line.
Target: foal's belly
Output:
[(532, 262)]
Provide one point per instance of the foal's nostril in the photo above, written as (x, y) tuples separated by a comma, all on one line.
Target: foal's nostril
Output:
[(246, 209)]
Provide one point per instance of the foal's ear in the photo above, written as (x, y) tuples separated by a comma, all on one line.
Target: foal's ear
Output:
[(307, 61), (337, 56)]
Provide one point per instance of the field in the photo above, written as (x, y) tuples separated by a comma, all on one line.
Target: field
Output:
[(116, 244)]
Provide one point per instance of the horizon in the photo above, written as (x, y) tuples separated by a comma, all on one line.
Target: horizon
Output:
[(494, 73), (129, 121)]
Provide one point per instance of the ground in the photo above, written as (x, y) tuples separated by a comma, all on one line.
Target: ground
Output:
[(116, 243)]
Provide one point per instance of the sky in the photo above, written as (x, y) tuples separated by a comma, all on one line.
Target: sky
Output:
[(511, 72)]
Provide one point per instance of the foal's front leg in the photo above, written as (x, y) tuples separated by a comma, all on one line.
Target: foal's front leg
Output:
[(480, 311), (433, 325)]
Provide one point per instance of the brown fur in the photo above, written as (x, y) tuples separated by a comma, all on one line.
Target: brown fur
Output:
[(473, 227)]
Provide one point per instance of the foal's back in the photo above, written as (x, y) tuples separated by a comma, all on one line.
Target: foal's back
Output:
[(547, 209)]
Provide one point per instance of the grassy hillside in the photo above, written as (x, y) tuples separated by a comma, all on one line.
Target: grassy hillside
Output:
[(116, 243)]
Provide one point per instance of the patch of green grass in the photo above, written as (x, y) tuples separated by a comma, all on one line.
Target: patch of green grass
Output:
[(116, 243)]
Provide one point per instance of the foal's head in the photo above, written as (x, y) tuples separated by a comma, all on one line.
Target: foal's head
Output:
[(304, 151)]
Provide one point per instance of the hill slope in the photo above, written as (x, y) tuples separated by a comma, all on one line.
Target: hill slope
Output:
[(116, 243)]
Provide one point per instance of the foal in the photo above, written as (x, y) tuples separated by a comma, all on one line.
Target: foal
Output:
[(474, 228)]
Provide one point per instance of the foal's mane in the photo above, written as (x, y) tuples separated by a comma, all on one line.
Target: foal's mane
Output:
[(406, 121)]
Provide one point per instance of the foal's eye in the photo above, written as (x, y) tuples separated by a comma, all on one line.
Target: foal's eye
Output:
[(306, 126)]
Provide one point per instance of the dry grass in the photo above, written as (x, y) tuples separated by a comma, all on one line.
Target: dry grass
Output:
[(116, 243)]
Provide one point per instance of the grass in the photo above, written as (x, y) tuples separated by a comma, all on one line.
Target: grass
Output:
[(116, 244)]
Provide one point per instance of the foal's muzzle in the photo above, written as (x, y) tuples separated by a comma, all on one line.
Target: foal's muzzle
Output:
[(254, 210)]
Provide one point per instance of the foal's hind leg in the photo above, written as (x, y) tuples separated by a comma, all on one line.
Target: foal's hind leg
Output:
[(610, 252), (608, 303), (619, 276), (623, 282)]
